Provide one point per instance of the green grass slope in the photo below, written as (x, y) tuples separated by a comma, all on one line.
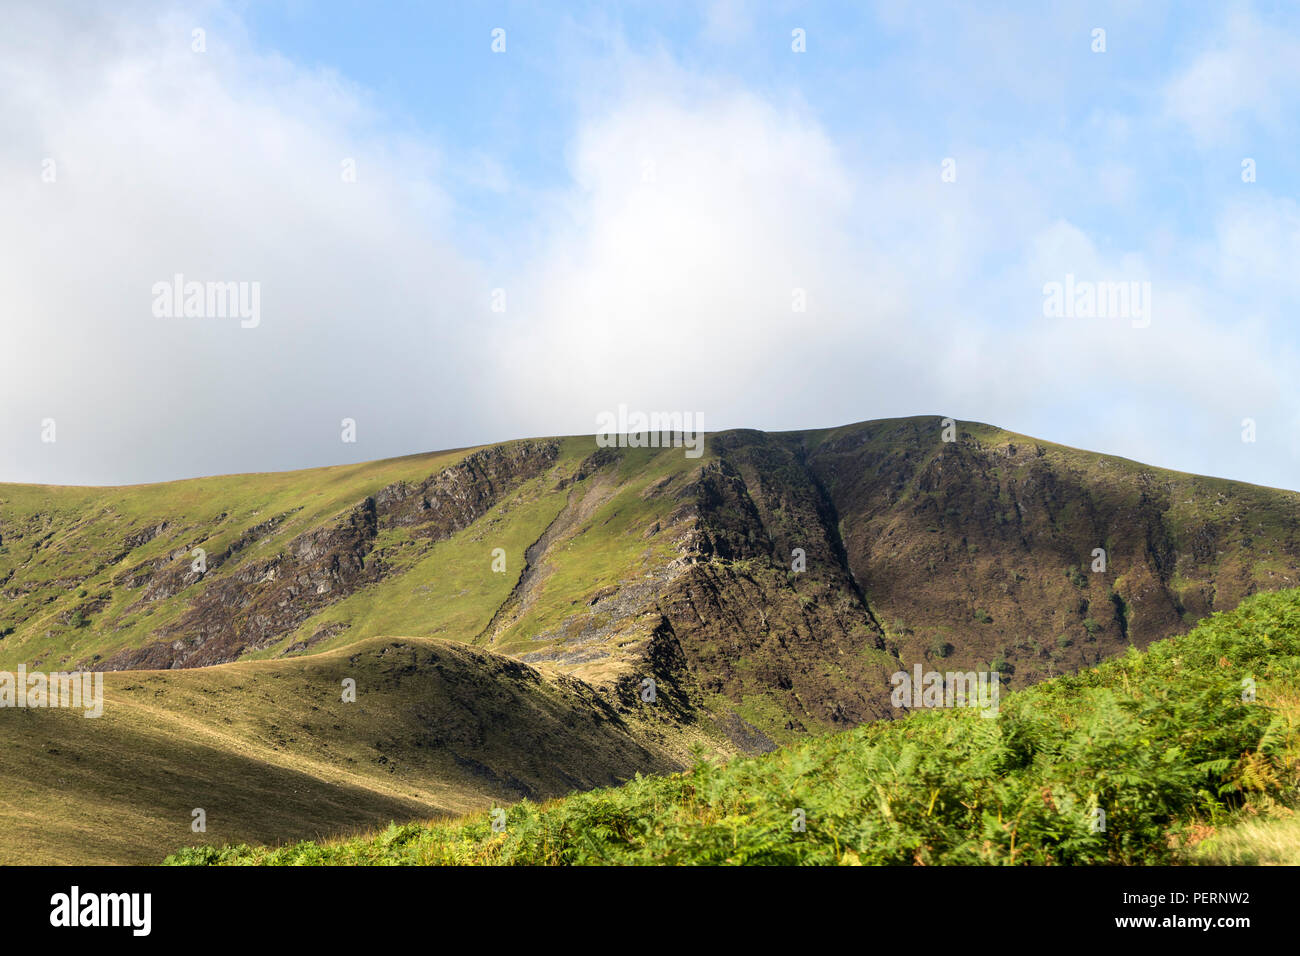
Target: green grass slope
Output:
[(1162, 741), (74, 562)]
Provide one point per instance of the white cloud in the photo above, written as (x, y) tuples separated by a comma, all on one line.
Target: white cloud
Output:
[(1247, 74), (223, 166), (670, 277), (674, 294)]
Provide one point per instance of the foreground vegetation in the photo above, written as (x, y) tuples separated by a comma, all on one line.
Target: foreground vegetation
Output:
[(1166, 743)]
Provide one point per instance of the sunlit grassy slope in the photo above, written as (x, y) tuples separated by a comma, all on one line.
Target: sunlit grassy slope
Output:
[(90, 572), (73, 544), (1164, 742)]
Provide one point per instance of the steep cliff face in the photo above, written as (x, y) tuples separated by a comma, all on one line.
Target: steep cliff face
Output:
[(1038, 558), (812, 566), (771, 622)]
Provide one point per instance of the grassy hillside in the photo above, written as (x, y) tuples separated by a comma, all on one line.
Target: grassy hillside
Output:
[(75, 562), (270, 751), (1161, 740)]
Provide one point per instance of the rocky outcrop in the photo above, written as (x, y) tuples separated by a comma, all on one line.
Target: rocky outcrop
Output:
[(259, 602)]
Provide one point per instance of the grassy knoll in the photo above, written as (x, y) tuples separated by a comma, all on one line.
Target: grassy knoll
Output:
[(270, 751)]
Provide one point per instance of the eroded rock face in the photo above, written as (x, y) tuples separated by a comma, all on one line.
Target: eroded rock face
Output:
[(256, 604), (727, 621), (749, 624)]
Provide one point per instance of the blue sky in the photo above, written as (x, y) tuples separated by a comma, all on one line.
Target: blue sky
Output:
[(873, 77), (648, 186)]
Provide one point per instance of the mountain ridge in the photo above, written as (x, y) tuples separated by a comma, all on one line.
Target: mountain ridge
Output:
[(758, 595)]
